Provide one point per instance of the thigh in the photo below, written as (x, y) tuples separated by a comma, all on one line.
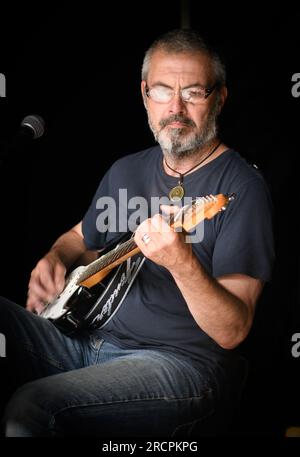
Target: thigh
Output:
[(142, 393), (34, 346)]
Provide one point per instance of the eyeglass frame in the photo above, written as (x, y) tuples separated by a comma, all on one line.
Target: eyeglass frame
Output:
[(208, 92)]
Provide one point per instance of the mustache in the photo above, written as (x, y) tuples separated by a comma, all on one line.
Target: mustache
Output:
[(177, 118)]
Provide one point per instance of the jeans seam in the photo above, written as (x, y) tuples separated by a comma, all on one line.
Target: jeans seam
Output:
[(85, 405), (98, 351), (193, 422), (52, 420)]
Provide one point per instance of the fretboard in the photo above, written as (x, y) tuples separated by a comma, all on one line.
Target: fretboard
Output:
[(107, 259)]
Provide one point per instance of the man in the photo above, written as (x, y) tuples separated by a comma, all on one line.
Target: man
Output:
[(166, 361)]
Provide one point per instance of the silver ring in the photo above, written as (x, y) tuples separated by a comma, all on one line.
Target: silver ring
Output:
[(146, 238)]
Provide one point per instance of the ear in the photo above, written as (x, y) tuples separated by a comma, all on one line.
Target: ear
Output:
[(143, 89), (223, 92)]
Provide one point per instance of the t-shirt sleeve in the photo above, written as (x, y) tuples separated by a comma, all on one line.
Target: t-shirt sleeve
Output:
[(244, 243), (94, 235)]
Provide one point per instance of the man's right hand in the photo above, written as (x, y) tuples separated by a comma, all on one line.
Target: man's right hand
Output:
[(47, 280)]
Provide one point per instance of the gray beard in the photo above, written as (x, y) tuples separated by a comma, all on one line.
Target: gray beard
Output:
[(176, 143)]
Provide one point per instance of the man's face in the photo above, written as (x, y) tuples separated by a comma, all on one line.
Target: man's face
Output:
[(182, 127)]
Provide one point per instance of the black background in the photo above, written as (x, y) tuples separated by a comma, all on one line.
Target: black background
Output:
[(78, 66)]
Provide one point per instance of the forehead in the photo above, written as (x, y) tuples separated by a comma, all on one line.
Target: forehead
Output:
[(187, 67)]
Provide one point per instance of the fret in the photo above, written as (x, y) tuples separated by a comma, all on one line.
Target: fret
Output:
[(108, 259)]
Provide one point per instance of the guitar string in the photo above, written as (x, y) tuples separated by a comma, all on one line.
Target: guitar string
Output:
[(110, 257)]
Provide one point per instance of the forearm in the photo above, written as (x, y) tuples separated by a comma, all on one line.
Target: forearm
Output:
[(70, 247), (47, 279), (222, 315)]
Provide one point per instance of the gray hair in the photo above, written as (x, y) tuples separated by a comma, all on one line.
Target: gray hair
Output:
[(183, 40)]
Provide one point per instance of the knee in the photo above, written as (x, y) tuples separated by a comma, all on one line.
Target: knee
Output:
[(5, 323), (5, 302), (8, 309), (25, 414)]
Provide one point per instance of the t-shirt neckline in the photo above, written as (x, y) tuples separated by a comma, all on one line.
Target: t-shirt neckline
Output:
[(194, 174)]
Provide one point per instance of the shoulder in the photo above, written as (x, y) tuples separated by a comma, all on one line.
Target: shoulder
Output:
[(239, 172), (136, 162), (131, 168)]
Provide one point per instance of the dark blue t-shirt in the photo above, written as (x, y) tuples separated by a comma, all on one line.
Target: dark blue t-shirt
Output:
[(239, 240)]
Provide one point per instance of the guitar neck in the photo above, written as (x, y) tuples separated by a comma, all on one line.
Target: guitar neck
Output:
[(111, 259), (190, 216)]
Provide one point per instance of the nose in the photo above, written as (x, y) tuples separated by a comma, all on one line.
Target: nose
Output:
[(177, 105)]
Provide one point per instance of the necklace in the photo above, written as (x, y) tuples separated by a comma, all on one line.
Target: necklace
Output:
[(177, 193)]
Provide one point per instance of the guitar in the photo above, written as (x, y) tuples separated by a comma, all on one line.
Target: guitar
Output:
[(93, 294)]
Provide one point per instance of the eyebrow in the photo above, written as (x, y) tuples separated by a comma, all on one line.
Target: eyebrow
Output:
[(159, 83)]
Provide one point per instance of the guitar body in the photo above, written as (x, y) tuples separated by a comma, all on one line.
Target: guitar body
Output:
[(80, 307)]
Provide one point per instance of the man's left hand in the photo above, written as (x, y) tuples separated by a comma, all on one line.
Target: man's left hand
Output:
[(161, 244)]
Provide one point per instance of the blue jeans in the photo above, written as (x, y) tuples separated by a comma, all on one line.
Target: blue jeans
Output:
[(77, 386)]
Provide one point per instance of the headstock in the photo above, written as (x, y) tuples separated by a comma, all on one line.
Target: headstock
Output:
[(199, 209)]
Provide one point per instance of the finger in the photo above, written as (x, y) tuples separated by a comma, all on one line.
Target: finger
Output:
[(37, 289), (144, 238), (59, 277), (38, 308), (144, 227), (47, 281), (34, 305), (170, 213), (158, 224), (138, 238), (170, 209)]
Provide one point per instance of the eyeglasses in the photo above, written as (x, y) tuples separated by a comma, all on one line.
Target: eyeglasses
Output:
[(194, 95)]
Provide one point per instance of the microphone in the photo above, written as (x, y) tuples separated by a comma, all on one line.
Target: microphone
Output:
[(31, 128), (33, 125)]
